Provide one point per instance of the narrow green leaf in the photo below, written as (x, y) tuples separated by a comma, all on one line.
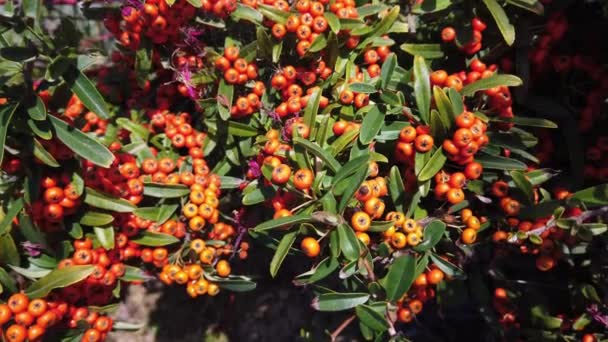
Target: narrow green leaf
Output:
[(595, 195), (82, 144), (427, 51), (351, 167), (282, 222), (499, 163), (372, 122), (160, 190), (502, 21), (38, 110), (282, 251), (339, 301), (316, 150), (371, 318), (447, 267), (433, 232), (422, 88), (147, 238), (311, 109), (247, 13), (43, 155), (105, 236), (349, 244), (273, 13), (14, 209), (86, 91), (333, 21), (524, 185), (104, 201), (399, 278), (58, 278), (354, 184), (93, 218), (225, 95), (396, 188), (493, 81), (433, 166), (365, 88), (6, 115), (388, 67)]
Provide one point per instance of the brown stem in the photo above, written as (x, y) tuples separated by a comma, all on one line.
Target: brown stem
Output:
[(334, 335)]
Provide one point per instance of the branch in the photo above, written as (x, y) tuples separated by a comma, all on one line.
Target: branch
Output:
[(582, 217), (334, 335)]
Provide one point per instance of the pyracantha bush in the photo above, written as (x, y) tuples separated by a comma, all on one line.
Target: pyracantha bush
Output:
[(416, 158)]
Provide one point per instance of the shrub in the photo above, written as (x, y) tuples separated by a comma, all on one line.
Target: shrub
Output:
[(404, 153)]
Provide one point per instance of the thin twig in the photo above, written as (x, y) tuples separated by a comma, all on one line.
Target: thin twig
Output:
[(334, 335)]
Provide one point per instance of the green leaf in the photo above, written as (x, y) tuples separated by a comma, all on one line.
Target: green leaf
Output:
[(7, 281), (8, 250), (318, 44), (6, 115), (533, 6), (143, 64), (273, 13), (104, 201), (399, 278), (365, 88), (343, 141), (530, 122), (447, 267), (422, 88), (316, 150), (351, 167), (493, 81), (502, 21), (349, 244), (499, 163), (225, 95), (396, 188), (311, 109), (160, 190), (333, 21), (41, 128), (383, 26), (595, 195), (233, 283), (339, 301), (433, 233), (524, 185), (456, 99), (282, 251), (195, 3), (58, 278), (93, 218), (540, 318), (132, 127), (372, 122), (146, 238), (434, 165), (388, 67), (82, 86), (15, 208), (38, 110), (354, 184), (444, 106), (228, 182), (282, 222), (82, 144), (371, 318), (427, 51), (134, 274), (43, 155), (247, 13), (258, 195), (105, 236)]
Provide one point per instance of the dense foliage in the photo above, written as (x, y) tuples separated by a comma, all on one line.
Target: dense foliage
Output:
[(418, 158)]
